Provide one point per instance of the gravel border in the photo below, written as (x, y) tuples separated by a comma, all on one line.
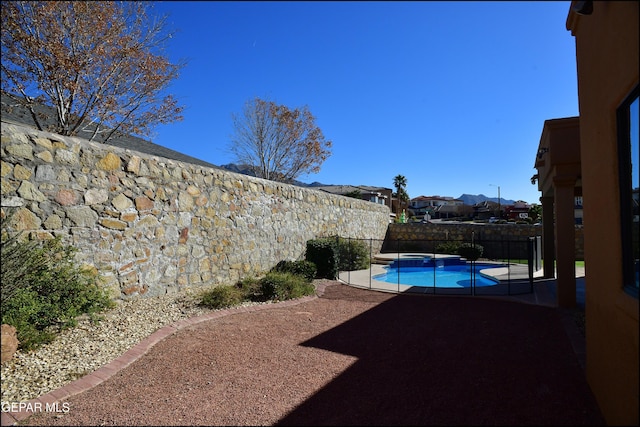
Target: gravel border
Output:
[(80, 350)]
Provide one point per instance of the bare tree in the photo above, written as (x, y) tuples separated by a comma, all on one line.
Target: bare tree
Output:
[(278, 143), (99, 64)]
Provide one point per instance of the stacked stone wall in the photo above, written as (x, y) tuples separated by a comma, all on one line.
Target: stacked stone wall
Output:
[(151, 225)]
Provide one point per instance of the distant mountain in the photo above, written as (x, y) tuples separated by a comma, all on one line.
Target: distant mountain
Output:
[(468, 199), (243, 169), (471, 199), (246, 170)]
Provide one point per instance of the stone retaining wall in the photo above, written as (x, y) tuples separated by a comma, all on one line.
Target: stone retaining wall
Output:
[(151, 225), (491, 236)]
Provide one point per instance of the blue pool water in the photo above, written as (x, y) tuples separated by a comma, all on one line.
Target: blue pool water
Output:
[(457, 275)]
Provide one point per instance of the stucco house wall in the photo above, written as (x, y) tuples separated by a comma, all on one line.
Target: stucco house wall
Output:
[(607, 52)]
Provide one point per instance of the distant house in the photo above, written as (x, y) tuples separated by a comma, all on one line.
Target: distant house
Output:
[(435, 206), (379, 195), (519, 211), (577, 210), (485, 210)]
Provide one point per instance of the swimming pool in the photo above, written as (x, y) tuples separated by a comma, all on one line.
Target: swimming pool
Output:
[(439, 275)]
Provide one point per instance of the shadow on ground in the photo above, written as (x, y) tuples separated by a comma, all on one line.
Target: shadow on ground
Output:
[(451, 360)]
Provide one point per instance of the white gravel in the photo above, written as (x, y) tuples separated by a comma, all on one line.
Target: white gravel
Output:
[(81, 350)]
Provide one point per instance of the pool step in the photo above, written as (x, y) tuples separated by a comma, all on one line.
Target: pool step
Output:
[(427, 262)]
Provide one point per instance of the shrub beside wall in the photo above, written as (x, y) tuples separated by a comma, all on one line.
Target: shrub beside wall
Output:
[(151, 225)]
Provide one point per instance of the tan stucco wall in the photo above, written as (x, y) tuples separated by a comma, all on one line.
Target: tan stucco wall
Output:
[(607, 63), (558, 164)]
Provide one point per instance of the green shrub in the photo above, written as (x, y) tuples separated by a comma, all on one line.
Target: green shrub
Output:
[(470, 252), (323, 253), (331, 255), (23, 311), (287, 280), (304, 268), (250, 288), (280, 286), (450, 248), (352, 255), (43, 290), (465, 250), (222, 296)]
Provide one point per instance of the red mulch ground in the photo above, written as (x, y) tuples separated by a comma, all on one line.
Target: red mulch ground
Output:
[(417, 360)]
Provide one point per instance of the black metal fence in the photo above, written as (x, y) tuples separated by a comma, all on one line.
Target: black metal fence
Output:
[(491, 267)]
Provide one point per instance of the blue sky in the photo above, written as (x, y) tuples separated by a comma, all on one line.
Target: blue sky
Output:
[(451, 95)]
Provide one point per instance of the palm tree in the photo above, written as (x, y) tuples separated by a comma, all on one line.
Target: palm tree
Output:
[(535, 212), (400, 182)]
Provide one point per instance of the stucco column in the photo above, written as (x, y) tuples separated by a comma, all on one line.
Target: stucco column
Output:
[(548, 238), (565, 242)]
